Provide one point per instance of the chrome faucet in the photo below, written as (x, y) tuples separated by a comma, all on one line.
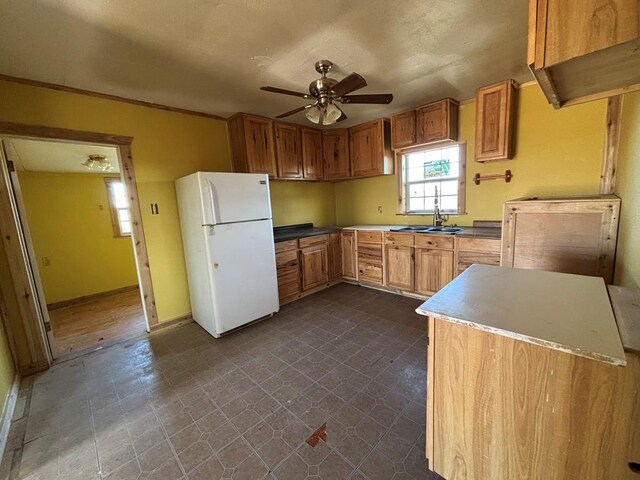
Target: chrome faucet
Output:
[(437, 218)]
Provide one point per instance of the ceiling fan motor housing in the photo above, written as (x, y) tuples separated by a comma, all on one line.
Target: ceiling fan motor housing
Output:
[(321, 88)]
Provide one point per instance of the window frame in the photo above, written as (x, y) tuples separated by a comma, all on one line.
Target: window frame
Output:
[(113, 210), (462, 177)]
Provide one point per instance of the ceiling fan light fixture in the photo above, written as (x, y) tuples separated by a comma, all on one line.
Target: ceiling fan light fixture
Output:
[(314, 114), (332, 114)]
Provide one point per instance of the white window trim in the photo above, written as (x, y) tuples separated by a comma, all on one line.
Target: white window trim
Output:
[(462, 178)]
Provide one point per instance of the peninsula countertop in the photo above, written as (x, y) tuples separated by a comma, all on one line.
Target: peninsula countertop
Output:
[(570, 313)]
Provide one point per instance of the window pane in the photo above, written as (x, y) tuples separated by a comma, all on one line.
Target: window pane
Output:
[(119, 195), (125, 228), (416, 204), (123, 215), (429, 204), (430, 188), (416, 190), (449, 187), (449, 203)]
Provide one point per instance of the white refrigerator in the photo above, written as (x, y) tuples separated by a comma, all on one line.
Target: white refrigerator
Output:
[(227, 235)]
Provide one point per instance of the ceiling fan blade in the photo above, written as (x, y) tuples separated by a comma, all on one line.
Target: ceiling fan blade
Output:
[(285, 92), (295, 111), (349, 84), (373, 98)]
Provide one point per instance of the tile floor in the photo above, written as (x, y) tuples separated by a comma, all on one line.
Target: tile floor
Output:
[(182, 405)]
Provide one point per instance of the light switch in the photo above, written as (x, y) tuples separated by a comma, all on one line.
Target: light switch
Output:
[(46, 261), (154, 209), (379, 208)]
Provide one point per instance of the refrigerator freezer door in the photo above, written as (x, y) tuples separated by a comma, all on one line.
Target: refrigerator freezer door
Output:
[(244, 278), (234, 197)]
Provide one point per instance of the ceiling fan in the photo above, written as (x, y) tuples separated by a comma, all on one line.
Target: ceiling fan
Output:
[(325, 92)]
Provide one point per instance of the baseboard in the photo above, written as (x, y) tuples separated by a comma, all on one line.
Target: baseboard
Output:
[(7, 413), (174, 322), (88, 298), (34, 368)]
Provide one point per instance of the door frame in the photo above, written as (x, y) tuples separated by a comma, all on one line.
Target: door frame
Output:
[(38, 356)]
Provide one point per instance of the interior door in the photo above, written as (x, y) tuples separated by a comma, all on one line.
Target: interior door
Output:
[(32, 261), (244, 278)]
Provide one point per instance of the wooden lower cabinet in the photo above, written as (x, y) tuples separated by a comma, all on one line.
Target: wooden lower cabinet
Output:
[(314, 267), (485, 251), (335, 256), (288, 269), (434, 269), (349, 267), (370, 263), (399, 263)]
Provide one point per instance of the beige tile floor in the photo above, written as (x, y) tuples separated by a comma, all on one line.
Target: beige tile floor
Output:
[(182, 405)]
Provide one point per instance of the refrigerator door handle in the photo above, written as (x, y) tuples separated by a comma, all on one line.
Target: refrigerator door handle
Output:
[(211, 188)]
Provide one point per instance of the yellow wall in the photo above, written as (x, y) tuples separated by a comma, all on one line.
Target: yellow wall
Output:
[(558, 152), (628, 188), (166, 146), (70, 224), (302, 202)]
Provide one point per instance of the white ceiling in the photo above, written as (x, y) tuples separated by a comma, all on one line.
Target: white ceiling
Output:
[(48, 156), (213, 55)]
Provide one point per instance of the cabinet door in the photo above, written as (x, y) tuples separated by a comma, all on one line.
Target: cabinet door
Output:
[(335, 151), (258, 135), (437, 122), (403, 129), (289, 151), (312, 154), (335, 256), (314, 267), (494, 121), (434, 269), (288, 275), (365, 143), (399, 267), (349, 254)]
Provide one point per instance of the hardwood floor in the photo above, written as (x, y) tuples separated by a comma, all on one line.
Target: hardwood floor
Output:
[(97, 322)]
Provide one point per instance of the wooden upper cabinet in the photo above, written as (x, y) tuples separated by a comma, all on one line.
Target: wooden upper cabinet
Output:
[(495, 107), (370, 149), (403, 129), (312, 154), (581, 51), (335, 148), (252, 145), (289, 150), (437, 122)]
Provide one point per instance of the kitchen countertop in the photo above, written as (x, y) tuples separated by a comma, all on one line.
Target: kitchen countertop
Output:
[(292, 232), (479, 232), (570, 313)]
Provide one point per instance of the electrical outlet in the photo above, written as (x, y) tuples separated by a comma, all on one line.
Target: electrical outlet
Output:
[(46, 261), (379, 208)]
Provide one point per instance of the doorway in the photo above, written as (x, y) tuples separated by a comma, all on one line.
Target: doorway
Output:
[(76, 220)]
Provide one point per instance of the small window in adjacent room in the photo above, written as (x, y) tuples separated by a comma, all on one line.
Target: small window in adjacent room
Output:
[(119, 207), (427, 172)]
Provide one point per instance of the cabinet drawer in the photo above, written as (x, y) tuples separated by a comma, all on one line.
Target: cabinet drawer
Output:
[(317, 240), (370, 252), (366, 236), (434, 241), (370, 272), (287, 245), (392, 238), (485, 245), (287, 258), (466, 259)]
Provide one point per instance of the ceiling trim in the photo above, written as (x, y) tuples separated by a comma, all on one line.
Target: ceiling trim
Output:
[(106, 96)]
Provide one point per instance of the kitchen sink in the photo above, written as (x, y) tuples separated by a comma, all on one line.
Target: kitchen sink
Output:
[(427, 229)]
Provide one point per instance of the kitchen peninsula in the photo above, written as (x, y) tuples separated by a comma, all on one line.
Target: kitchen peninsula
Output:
[(528, 378)]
